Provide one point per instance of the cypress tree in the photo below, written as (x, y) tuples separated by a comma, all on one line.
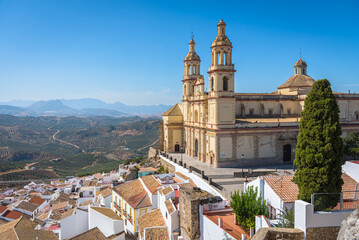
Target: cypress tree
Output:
[(319, 151)]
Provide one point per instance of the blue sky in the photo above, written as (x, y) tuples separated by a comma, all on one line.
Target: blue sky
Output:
[(132, 51)]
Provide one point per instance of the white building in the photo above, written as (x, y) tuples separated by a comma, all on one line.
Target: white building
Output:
[(74, 224), (107, 221), (133, 199)]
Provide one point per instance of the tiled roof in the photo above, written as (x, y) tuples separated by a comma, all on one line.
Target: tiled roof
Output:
[(37, 200), (47, 193), (86, 203), (228, 223), (12, 214), (44, 216), (98, 175), (3, 209), (149, 220), (181, 175), (169, 206), (298, 81), (173, 111), (27, 206), (167, 190), (59, 205), (24, 229), (288, 190), (283, 187), (158, 233), (88, 183), (151, 183), (133, 193), (144, 202), (108, 212), (148, 169), (107, 192), (92, 234), (350, 187)]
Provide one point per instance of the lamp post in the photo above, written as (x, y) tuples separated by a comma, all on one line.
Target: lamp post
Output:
[(181, 152), (242, 166)]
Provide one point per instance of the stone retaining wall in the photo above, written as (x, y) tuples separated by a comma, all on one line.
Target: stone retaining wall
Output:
[(327, 233), (279, 233)]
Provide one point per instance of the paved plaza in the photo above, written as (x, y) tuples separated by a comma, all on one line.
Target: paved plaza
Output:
[(231, 178)]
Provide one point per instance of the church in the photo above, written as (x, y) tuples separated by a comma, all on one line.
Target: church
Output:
[(227, 129)]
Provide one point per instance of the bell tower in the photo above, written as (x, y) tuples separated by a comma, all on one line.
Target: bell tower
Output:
[(221, 72), (192, 64), (221, 101)]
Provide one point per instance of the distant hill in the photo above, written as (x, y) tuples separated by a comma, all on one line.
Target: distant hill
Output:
[(52, 107), (79, 107)]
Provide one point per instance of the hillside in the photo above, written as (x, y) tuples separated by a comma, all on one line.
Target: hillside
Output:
[(69, 145)]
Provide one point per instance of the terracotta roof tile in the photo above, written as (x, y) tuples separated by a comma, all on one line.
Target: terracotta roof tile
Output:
[(107, 192), (350, 187), (12, 214), (92, 234), (158, 233), (27, 206), (181, 175), (37, 200), (167, 190), (3, 209), (108, 212), (132, 192), (283, 187), (228, 223), (149, 220), (60, 205), (151, 183), (169, 206)]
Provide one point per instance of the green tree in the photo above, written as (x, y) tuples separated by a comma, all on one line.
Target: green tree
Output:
[(287, 218), (319, 151), (248, 205), (351, 145)]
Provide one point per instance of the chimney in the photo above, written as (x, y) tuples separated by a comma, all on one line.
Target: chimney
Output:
[(220, 222)]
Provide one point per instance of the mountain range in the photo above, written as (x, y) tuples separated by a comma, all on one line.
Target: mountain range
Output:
[(78, 107)]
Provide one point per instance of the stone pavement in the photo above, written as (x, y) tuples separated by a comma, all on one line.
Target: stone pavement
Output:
[(231, 178)]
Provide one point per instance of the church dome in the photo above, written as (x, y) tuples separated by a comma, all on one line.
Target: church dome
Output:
[(298, 81), (192, 56), (300, 63)]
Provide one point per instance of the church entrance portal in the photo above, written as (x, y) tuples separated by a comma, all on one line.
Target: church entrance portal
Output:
[(196, 148), (287, 153), (177, 148)]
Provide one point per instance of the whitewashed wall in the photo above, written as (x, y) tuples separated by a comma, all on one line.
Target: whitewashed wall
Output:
[(106, 225), (305, 217), (75, 224)]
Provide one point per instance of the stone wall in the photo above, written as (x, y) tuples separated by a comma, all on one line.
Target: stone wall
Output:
[(279, 233), (160, 136), (171, 168), (328, 233), (189, 209), (152, 152)]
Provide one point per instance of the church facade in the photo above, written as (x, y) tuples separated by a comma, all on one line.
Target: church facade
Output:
[(227, 129)]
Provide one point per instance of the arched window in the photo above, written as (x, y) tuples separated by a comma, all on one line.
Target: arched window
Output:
[(212, 84), (225, 58), (218, 58), (303, 71), (225, 84), (243, 110), (196, 116)]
